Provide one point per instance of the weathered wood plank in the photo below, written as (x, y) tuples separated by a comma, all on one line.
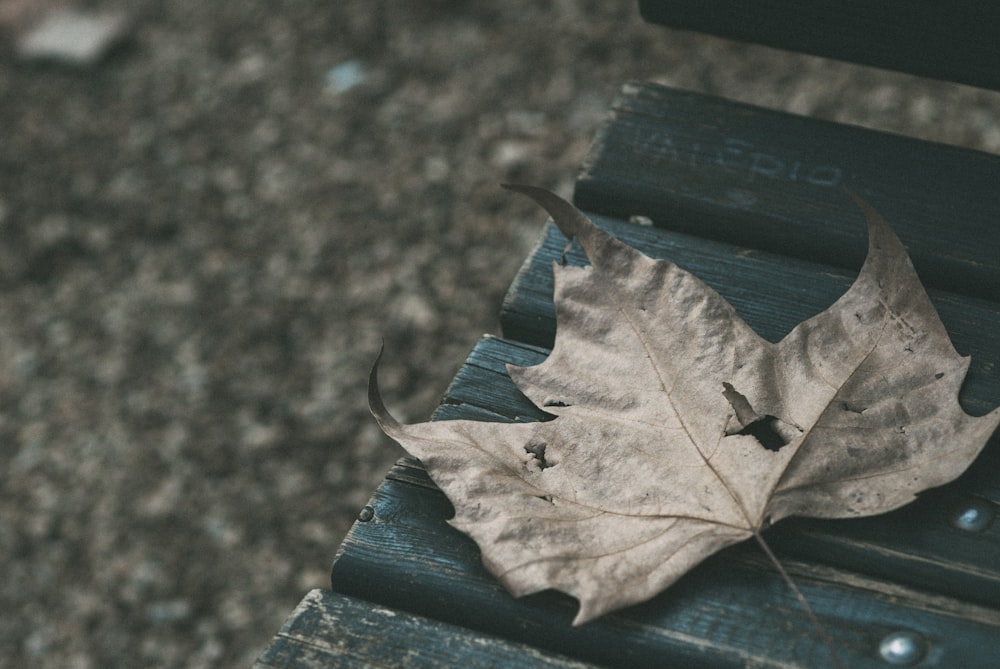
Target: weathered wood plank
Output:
[(473, 391), (954, 41), (732, 611), (772, 293), (331, 630), (774, 181)]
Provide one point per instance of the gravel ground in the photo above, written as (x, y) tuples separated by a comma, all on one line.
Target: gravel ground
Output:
[(204, 238)]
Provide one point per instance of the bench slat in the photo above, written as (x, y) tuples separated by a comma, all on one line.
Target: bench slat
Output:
[(407, 557), (771, 293), (955, 41), (774, 181), (330, 630), (917, 545)]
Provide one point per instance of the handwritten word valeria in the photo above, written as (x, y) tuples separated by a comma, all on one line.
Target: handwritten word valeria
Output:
[(742, 156)]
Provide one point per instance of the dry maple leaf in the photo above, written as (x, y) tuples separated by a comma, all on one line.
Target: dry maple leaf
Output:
[(664, 400)]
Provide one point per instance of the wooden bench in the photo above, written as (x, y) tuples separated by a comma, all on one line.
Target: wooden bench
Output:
[(751, 201)]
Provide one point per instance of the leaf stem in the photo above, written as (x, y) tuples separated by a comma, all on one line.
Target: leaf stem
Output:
[(820, 630)]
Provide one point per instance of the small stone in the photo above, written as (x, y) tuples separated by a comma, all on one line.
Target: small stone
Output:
[(510, 153), (436, 169), (345, 76), (72, 36), (168, 611)]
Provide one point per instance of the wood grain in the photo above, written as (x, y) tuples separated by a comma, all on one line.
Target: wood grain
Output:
[(773, 181), (331, 630)]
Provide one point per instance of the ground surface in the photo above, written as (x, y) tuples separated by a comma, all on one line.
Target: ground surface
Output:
[(204, 238)]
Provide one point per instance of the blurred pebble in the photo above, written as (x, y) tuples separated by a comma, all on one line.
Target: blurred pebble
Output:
[(166, 611), (73, 36), (345, 76), (510, 153)]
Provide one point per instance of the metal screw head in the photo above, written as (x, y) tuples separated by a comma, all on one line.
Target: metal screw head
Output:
[(973, 516), (366, 514), (902, 648)]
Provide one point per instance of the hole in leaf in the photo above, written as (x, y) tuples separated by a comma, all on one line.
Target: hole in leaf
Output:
[(537, 450), (555, 403), (939, 375), (764, 432)]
